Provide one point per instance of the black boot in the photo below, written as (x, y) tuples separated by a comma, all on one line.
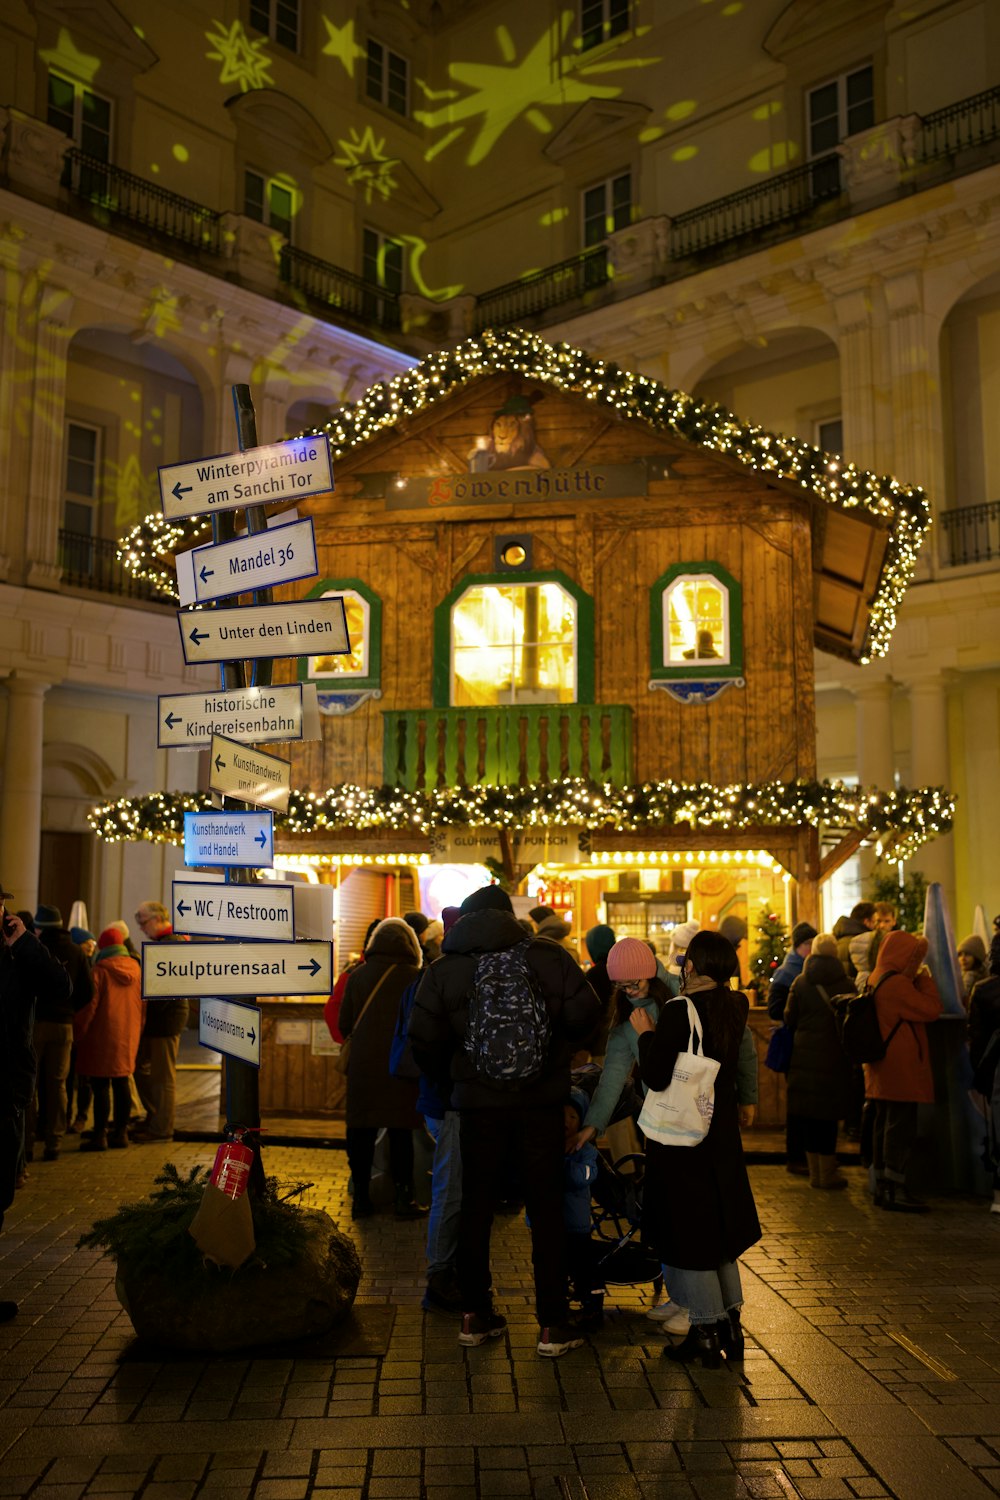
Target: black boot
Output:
[(361, 1208), (731, 1334), (897, 1200), (405, 1207), (700, 1342)]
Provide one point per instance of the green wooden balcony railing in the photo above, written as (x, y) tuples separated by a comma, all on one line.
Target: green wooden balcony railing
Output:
[(424, 748)]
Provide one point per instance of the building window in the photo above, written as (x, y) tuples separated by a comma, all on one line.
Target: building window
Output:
[(602, 19), (269, 202), (83, 459), (278, 19), (361, 667), (82, 115), (387, 78), (514, 643), (696, 623), (607, 206), (382, 260), (830, 435), (841, 108)]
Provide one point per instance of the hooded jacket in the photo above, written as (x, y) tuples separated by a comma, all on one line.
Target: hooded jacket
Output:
[(108, 1029), (903, 994), (846, 928), (781, 982), (819, 1075), (374, 1097), (440, 1017)]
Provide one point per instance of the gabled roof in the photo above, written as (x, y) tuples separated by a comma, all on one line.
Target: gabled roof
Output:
[(874, 577), (867, 534)]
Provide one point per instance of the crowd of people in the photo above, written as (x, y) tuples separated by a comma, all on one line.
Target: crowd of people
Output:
[(81, 1053)]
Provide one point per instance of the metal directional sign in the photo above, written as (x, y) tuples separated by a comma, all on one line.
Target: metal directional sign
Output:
[(235, 770), (195, 969), (282, 554), (282, 471), (314, 627), (238, 840), (229, 1027), (265, 912), (252, 715)]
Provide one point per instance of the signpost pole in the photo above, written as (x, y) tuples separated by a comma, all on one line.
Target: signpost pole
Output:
[(242, 1079)]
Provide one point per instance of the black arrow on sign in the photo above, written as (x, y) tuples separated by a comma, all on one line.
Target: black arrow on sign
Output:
[(252, 1035), (261, 839), (182, 909), (198, 636), (220, 765), (206, 573), (180, 490), (172, 719), (312, 966)]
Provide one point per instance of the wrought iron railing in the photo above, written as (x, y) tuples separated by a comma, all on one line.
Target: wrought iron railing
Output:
[(330, 286), (970, 534), (507, 746), (122, 195), (91, 562), (552, 287), (780, 199), (960, 127)]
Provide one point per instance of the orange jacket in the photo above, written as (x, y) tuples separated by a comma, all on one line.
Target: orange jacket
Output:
[(905, 993)]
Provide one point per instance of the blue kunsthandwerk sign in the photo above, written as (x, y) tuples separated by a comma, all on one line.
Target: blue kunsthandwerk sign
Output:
[(238, 840)]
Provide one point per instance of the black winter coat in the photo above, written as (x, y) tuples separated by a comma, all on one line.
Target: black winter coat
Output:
[(984, 1017), (820, 1075), (440, 1017), (165, 1017), (26, 970), (698, 1209), (374, 1097), (53, 1002)]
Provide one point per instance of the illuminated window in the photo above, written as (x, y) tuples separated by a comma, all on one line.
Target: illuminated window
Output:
[(514, 643), (607, 206), (269, 202), (387, 78), (696, 623), (361, 667), (278, 19), (602, 19), (83, 459), (82, 115)]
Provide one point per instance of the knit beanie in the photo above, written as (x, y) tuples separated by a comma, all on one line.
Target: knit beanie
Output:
[(803, 932), (449, 916), (81, 935), (682, 935), (599, 940), (416, 920), (433, 932), (974, 947), (110, 938), (487, 898), (630, 959), (122, 928), (824, 945)]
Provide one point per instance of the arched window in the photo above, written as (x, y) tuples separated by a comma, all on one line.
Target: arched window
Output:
[(361, 667), (696, 623), (503, 639)]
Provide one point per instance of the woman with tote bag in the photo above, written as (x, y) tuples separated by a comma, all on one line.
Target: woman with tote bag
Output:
[(698, 1212)]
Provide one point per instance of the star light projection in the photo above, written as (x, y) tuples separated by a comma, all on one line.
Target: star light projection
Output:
[(66, 57), (365, 162), (340, 44), (531, 86), (243, 61)]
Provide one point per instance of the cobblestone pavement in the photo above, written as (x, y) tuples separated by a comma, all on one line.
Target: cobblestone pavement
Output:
[(872, 1369)]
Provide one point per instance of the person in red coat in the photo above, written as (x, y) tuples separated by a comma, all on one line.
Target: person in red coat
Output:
[(107, 1033), (906, 998)]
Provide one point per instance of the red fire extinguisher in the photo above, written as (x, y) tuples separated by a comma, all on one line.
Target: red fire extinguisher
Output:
[(231, 1171)]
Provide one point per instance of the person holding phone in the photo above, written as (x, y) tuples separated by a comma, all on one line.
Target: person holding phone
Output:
[(26, 967)]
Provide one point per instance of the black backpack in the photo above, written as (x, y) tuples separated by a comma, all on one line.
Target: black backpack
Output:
[(860, 1033), (509, 1027)]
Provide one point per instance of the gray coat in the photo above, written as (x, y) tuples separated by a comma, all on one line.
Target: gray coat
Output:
[(819, 1075), (374, 1097)]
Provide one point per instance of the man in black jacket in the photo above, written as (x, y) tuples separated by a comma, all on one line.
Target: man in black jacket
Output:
[(519, 1120), (54, 1012), (26, 970)]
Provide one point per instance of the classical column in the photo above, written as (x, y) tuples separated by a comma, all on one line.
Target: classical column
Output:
[(876, 761), (930, 766), (48, 428), (21, 794), (915, 385), (856, 343)]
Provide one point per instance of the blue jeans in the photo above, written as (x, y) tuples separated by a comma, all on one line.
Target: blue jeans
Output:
[(707, 1295), (446, 1193)]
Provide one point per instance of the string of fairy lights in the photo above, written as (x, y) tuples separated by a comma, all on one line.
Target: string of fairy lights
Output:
[(896, 822), (147, 549)]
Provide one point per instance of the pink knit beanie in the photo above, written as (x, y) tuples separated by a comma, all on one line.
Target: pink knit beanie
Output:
[(629, 960)]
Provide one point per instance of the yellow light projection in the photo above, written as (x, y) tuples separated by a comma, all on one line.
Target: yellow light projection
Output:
[(340, 43), (132, 492), (513, 643), (364, 160), (697, 621), (66, 57), (502, 93), (243, 61), (354, 663)]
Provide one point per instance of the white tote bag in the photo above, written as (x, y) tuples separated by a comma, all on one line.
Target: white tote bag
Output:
[(680, 1114)]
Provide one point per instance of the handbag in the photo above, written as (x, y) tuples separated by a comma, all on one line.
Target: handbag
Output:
[(680, 1115), (343, 1057), (778, 1056)]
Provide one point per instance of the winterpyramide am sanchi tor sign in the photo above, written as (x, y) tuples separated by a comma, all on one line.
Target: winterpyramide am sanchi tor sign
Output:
[(895, 822)]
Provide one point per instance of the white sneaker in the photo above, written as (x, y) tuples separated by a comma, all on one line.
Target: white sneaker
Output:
[(995, 1207), (671, 1318)]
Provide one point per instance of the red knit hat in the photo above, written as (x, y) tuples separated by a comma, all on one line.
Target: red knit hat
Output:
[(111, 937), (631, 959)]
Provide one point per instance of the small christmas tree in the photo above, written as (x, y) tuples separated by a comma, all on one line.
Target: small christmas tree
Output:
[(772, 945)]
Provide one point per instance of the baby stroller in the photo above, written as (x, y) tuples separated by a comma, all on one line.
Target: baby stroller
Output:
[(615, 1214)]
